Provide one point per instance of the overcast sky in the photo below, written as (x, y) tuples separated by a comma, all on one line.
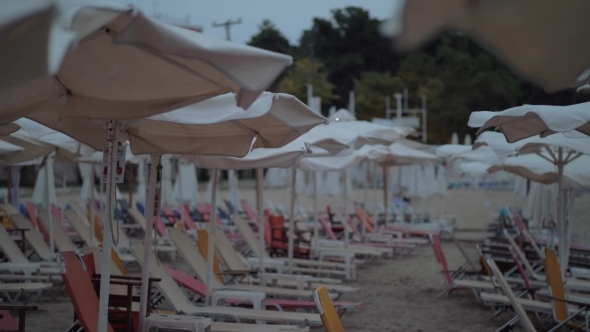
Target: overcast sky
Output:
[(290, 16)]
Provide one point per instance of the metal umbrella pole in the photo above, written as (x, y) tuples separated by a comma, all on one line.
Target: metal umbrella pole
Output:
[(211, 234), (292, 217), (316, 227), (345, 203), (149, 216), (366, 196), (107, 244), (261, 228), (48, 205), (375, 215)]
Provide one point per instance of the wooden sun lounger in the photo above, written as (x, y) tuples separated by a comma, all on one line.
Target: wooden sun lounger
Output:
[(199, 265), (178, 299)]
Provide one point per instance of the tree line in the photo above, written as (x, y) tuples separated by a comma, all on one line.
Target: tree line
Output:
[(346, 52)]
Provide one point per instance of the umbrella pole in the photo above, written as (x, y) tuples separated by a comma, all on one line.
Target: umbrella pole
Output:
[(107, 242), (561, 220), (259, 207), (149, 216), (48, 205), (366, 188), (9, 184), (211, 241), (179, 179), (292, 217), (131, 179), (385, 193), (374, 197), (316, 228), (91, 206), (345, 203)]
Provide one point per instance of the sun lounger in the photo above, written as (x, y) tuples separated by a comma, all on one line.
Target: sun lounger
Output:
[(18, 260), (176, 297), (233, 261), (33, 237), (329, 315), (7, 322), (253, 244), (61, 239), (198, 264), (199, 288)]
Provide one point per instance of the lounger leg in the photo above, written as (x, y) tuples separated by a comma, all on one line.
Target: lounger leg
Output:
[(509, 325)]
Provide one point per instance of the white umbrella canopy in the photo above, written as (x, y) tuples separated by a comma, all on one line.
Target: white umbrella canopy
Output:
[(530, 120), (276, 119), (400, 154), (159, 67), (467, 140), (24, 35), (342, 115), (451, 151), (9, 149), (540, 206), (454, 139), (514, 31), (474, 169), (373, 133), (186, 186)]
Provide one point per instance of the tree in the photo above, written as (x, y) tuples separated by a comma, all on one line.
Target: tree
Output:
[(297, 78), (371, 90), (270, 38), (348, 45)]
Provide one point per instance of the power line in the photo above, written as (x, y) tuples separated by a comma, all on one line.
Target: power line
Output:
[(227, 25)]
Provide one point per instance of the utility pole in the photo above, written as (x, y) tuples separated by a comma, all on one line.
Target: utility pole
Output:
[(227, 25)]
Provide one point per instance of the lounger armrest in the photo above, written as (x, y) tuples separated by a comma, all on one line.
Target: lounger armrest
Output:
[(97, 276), (19, 307), (238, 272)]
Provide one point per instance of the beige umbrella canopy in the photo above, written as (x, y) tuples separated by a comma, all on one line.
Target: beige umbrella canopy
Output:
[(24, 35), (127, 65), (542, 40), (275, 119)]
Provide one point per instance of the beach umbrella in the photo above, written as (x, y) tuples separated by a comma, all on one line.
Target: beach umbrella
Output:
[(557, 149), (25, 31), (400, 154), (315, 143), (451, 151), (513, 30), (341, 115), (474, 169), (455, 139), (373, 133), (159, 67), (530, 120), (186, 186), (275, 177), (467, 140), (213, 127), (540, 205)]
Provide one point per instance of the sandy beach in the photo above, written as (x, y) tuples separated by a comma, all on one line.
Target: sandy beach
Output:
[(397, 294)]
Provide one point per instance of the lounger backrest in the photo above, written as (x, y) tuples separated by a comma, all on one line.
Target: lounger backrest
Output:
[(248, 235), (327, 228), (347, 222), (364, 217), (97, 257), (81, 292), (10, 249), (522, 315), (80, 227), (517, 250), (173, 294), (203, 245), (440, 257), (188, 220), (191, 254), (60, 237), (556, 286), (249, 210), (328, 313), (226, 251), (187, 281), (32, 212), (33, 236)]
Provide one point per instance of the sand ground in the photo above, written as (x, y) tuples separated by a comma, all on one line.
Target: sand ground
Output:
[(397, 294)]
